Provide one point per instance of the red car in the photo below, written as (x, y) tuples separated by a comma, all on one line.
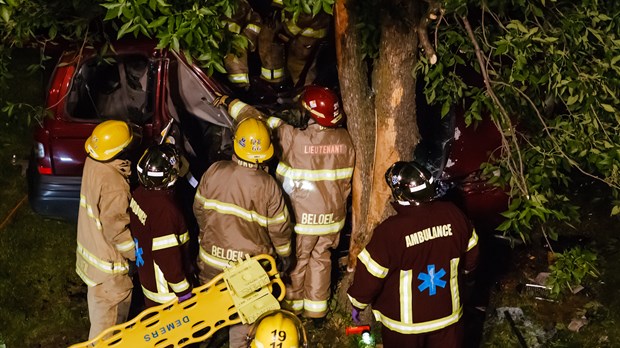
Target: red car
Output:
[(137, 83)]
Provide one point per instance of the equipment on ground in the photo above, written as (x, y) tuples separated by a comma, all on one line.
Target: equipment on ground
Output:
[(240, 294)]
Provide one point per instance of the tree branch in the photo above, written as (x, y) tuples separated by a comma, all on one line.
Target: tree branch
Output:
[(515, 167), (553, 139), (434, 9)]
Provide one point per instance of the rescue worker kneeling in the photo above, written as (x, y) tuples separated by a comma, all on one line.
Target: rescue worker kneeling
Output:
[(411, 269), (240, 210), (159, 229), (277, 328)]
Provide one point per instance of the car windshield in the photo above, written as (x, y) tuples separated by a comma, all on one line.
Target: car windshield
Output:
[(112, 88)]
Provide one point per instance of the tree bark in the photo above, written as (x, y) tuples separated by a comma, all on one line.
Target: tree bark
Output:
[(381, 114), (397, 131), (383, 126), (357, 99)]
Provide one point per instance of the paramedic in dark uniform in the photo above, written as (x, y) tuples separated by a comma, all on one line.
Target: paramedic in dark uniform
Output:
[(411, 270), (159, 229)]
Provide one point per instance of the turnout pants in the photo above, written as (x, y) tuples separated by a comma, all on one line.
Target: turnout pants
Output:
[(310, 279), (108, 303)]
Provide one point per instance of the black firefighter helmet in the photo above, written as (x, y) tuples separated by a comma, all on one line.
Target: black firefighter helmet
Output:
[(158, 168), (410, 182)]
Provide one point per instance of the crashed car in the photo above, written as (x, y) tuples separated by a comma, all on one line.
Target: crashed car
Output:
[(136, 83)]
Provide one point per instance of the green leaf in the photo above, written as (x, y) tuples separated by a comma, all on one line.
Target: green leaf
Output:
[(112, 13), (5, 13), (219, 67), (175, 44), (504, 226), (501, 49), (445, 108), (608, 108), (124, 29), (328, 8), (316, 8), (572, 99), (157, 23)]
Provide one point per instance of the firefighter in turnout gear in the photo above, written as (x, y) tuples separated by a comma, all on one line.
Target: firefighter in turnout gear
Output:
[(159, 229), (240, 209), (315, 170), (247, 23), (411, 270), (288, 43), (303, 35), (278, 328), (104, 243)]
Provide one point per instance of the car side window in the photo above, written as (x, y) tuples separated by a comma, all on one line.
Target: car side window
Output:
[(113, 88)]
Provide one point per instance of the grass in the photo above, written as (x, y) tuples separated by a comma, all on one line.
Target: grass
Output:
[(38, 284)]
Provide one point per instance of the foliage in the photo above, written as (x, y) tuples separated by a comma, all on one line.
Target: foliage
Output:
[(368, 27), (43, 25), (553, 80), (196, 28), (570, 269), (297, 7)]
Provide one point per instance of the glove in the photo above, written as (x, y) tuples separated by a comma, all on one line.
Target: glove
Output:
[(286, 262), (133, 269), (220, 100), (355, 315), (185, 297)]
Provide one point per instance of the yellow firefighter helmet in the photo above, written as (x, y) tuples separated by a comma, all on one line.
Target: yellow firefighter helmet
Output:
[(252, 141), (108, 139), (278, 328)]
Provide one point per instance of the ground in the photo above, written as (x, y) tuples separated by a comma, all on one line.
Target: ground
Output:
[(43, 302)]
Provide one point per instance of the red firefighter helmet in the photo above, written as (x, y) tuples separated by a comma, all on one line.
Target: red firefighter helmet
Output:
[(322, 105)]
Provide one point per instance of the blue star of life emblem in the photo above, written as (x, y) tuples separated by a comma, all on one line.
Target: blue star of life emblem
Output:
[(431, 280), (242, 142), (139, 252)]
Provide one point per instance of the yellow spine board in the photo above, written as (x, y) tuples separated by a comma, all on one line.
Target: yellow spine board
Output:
[(211, 308)]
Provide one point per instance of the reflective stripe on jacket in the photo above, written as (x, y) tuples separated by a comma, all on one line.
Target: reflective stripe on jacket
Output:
[(103, 238), (409, 271), (162, 253), (240, 211), (315, 169), (307, 25)]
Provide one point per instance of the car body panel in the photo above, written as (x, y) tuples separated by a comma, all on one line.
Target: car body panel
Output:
[(54, 179)]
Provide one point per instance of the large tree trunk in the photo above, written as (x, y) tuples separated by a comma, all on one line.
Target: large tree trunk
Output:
[(382, 124)]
